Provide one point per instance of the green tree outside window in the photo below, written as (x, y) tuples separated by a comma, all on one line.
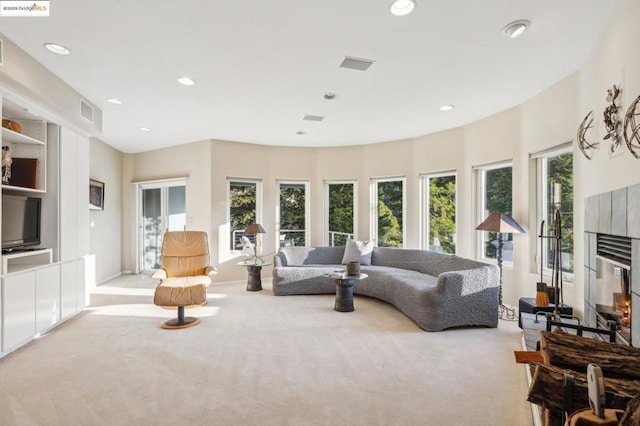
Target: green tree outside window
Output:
[(390, 224), (559, 180), (292, 212), (242, 210), (341, 201), (498, 198), (442, 213)]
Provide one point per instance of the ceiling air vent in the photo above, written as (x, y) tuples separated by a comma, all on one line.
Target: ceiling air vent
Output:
[(313, 118), (356, 63), (86, 110)]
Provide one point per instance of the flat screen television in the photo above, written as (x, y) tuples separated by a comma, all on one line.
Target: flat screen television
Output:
[(20, 221)]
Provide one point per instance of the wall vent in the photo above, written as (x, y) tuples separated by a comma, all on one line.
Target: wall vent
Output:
[(615, 248), (313, 118), (356, 63), (86, 110)]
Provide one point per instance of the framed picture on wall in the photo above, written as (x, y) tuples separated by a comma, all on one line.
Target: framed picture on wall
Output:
[(96, 195)]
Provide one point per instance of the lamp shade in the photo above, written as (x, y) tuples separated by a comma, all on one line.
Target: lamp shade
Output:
[(255, 228), (500, 222)]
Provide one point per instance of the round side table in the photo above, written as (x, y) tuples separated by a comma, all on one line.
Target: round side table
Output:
[(344, 290), (254, 281)]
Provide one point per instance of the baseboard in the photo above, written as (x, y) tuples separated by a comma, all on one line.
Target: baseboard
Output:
[(111, 278), (536, 410)]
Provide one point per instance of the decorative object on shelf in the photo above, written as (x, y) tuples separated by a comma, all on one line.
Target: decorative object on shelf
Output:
[(631, 129), (24, 172), (353, 268), (11, 125), (542, 298), (96, 195), (581, 137), (501, 223), (6, 164), (255, 229), (611, 120)]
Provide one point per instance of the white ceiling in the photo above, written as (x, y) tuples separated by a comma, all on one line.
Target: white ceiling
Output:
[(260, 66)]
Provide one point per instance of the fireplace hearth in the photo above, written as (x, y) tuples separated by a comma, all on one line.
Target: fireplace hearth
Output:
[(612, 253), (612, 293)]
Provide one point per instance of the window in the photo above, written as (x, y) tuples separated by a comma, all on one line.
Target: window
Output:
[(494, 195), (293, 213), (555, 192), (340, 212), (243, 201), (388, 211), (439, 212)]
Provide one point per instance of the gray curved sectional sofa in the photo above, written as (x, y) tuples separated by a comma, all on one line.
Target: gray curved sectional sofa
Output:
[(437, 291)]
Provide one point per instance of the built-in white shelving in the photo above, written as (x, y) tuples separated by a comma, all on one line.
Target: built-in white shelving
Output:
[(30, 142), (45, 285), (15, 137), (21, 260)]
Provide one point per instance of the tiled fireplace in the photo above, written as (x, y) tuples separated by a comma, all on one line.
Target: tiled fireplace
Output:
[(612, 261)]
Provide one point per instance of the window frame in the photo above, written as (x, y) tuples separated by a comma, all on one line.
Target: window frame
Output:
[(258, 183), (425, 217), (307, 209), (373, 206), (354, 182), (480, 206), (541, 204)]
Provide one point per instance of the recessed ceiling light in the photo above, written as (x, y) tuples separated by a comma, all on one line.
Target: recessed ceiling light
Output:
[(114, 101), (145, 129), (57, 48), (402, 7), (515, 29), (186, 81), (447, 107), (329, 96)]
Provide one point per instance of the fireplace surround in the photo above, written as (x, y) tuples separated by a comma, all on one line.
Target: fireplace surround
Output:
[(611, 256)]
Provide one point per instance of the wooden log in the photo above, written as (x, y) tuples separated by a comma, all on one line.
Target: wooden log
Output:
[(631, 416), (527, 357), (573, 352), (547, 384)]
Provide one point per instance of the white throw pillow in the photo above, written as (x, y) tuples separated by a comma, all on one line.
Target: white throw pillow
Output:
[(358, 251)]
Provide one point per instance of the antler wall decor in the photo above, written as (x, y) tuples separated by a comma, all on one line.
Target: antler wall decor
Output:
[(583, 144), (611, 120), (632, 128)]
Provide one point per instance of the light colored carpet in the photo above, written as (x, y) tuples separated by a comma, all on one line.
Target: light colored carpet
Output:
[(258, 359)]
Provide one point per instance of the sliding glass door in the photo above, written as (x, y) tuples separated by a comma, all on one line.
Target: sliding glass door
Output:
[(162, 208)]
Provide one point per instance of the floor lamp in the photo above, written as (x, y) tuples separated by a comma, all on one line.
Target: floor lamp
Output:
[(501, 223)]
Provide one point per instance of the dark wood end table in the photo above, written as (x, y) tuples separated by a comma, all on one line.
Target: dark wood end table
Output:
[(344, 290), (254, 281)]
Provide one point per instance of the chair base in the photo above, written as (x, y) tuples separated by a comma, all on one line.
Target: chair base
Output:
[(175, 323), (181, 321), (199, 305)]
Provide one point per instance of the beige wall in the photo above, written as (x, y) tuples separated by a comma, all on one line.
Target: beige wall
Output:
[(106, 241)]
